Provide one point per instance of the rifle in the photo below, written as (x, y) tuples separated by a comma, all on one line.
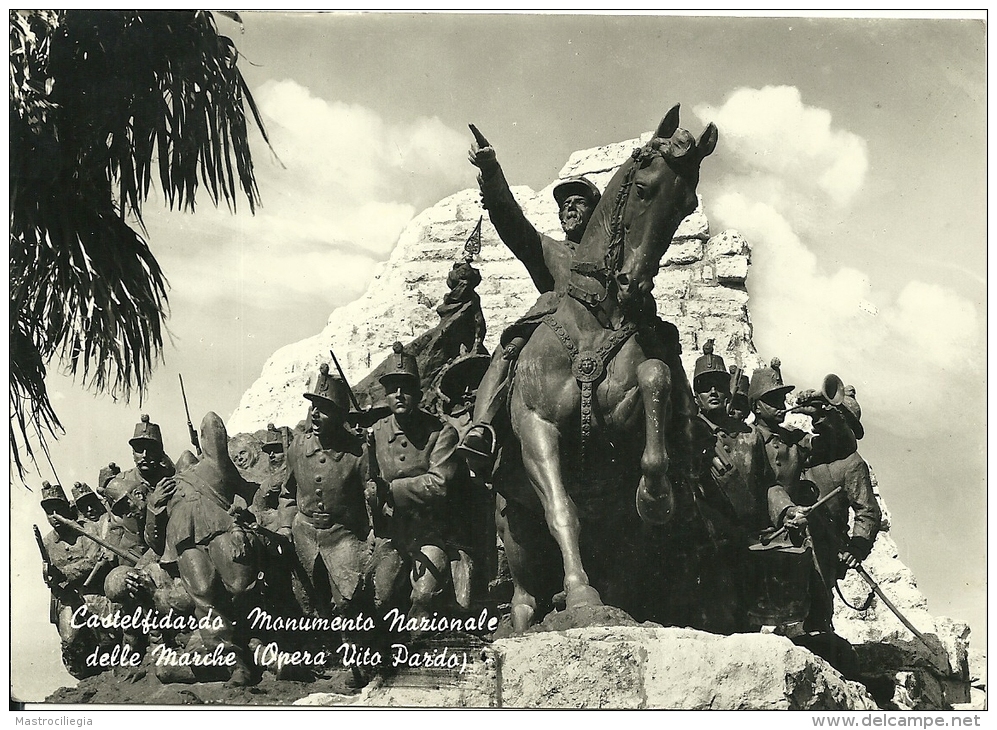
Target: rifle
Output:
[(363, 417), (53, 613), (766, 537), (127, 557), (190, 426)]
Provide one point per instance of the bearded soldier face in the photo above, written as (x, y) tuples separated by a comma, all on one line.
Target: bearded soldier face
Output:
[(574, 214)]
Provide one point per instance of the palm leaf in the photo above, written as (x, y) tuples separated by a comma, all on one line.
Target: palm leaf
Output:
[(98, 99)]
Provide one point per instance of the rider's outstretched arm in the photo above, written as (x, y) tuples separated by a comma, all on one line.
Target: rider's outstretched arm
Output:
[(510, 222)]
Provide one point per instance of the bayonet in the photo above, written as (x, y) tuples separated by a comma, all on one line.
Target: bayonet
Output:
[(195, 442)]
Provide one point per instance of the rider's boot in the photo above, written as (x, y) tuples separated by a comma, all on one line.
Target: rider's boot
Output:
[(479, 445)]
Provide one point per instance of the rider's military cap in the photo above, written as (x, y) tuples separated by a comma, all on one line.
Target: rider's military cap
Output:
[(741, 387), (576, 186)]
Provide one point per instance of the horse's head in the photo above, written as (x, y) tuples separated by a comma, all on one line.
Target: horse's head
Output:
[(657, 190)]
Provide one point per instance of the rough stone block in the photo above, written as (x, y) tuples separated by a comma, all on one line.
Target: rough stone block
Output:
[(684, 251), (672, 282), (727, 243), (732, 269), (571, 670), (694, 225)]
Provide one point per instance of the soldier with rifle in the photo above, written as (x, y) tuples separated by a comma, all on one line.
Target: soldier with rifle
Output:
[(322, 506), (70, 563)]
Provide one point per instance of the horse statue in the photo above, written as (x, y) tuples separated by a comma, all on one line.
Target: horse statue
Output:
[(599, 398)]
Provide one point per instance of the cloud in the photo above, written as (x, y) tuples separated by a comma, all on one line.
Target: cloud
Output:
[(906, 353), (770, 131), (347, 184)]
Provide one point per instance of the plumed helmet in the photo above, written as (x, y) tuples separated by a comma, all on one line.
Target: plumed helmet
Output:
[(52, 493), (576, 186), (327, 388), (145, 430), (709, 364), (767, 380), (741, 387), (107, 473), (401, 365)]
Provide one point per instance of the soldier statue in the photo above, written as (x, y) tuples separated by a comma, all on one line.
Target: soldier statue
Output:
[(70, 564), (547, 260), (790, 451), (322, 505), (837, 548), (266, 501), (552, 268), (418, 476), (88, 505), (739, 493)]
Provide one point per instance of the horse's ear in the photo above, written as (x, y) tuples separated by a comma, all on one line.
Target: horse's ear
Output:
[(669, 124), (708, 140)]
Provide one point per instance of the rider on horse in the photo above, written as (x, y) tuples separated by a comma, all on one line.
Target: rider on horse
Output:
[(547, 260)]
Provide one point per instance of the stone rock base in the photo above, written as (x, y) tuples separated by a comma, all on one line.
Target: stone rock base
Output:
[(629, 667)]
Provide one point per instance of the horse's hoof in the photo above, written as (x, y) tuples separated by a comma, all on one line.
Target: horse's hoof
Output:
[(655, 510), (581, 597), (521, 616)]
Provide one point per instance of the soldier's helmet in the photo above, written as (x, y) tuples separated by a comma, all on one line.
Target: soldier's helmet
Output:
[(767, 380), (576, 186), (853, 412), (53, 494), (82, 494), (115, 492), (328, 389), (401, 366), (741, 387), (273, 442), (146, 431), (710, 368), (107, 473), (466, 369)]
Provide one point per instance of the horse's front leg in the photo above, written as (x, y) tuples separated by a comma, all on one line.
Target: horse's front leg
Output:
[(540, 441), (655, 496)]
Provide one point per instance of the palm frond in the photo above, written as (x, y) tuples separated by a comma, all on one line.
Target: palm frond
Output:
[(100, 101)]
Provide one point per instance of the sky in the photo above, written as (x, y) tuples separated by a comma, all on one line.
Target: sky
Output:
[(852, 155)]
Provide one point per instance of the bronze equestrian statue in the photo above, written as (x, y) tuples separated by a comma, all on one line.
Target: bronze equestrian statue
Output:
[(592, 405)]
